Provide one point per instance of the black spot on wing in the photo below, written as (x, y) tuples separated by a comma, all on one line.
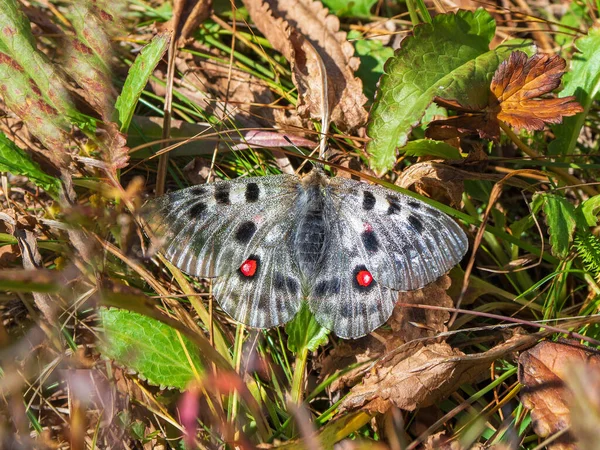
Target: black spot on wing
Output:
[(282, 283), (199, 190), (327, 287), (222, 193), (197, 210), (368, 201), (292, 285), (245, 232), (252, 192), (416, 223), (413, 204), (434, 212), (369, 240), (346, 310), (279, 281), (394, 203)]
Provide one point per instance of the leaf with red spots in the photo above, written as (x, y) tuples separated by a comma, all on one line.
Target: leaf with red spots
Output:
[(17, 41), (89, 52), (20, 94)]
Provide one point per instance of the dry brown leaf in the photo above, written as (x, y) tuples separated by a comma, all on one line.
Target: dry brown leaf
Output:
[(514, 98), (518, 83), (241, 96), (187, 17), (416, 323), (543, 370), (439, 181), (288, 24), (416, 376)]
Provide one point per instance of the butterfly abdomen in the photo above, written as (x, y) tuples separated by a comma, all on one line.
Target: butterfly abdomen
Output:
[(311, 230)]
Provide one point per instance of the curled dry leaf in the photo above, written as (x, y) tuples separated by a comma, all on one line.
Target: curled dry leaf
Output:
[(515, 93), (417, 375), (544, 370), (241, 96), (435, 180), (518, 83), (298, 28)]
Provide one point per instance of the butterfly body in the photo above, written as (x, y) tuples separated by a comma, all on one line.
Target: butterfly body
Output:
[(272, 242)]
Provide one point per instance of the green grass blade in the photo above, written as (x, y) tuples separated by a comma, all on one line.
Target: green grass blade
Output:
[(138, 77), (17, 162)]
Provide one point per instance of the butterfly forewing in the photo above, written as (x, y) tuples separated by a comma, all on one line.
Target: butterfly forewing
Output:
[(410, 243)]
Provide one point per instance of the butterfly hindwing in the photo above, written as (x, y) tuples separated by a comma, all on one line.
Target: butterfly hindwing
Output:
[(212, 230)]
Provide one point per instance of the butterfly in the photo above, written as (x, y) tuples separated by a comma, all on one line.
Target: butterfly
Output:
[(270, 243)]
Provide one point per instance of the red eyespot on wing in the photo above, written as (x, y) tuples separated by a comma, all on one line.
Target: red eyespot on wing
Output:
[(364, 278), (248, 268)]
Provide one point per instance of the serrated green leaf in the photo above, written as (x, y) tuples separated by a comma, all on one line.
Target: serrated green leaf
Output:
[(561, 219), (17, 162), (428, 147), (449, 58), (151, 348), (360, 8), (304, 332), (590, 209), (584, 83), (138, 77)]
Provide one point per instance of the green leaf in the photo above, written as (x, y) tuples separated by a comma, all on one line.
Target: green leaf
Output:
[(304, 332), (373, 55), (18, 42), (360, 8), (428, 147), (583, 81), (561, 219), (151, 348), (138, 77), (17, 162), (590, 209), (449, 58)]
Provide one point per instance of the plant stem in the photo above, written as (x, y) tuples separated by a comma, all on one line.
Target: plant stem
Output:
[(298, 379)]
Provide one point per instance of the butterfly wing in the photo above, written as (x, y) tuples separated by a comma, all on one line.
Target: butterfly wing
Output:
[(396, 242), (239, 232)]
